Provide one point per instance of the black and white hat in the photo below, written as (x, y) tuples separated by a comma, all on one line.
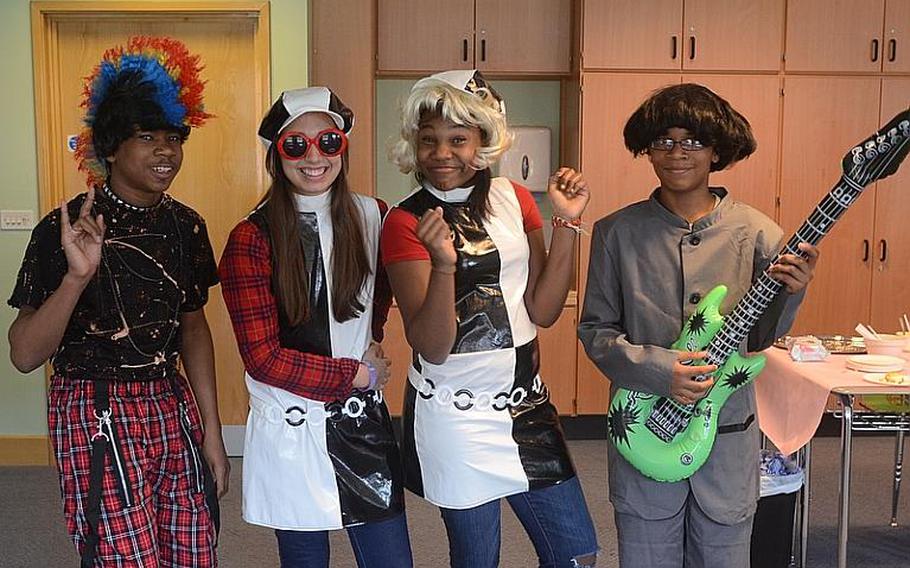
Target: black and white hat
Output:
[(297, 102), (467, 80)]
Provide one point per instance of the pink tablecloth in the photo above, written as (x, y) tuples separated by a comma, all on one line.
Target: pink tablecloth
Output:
[(791, 396)]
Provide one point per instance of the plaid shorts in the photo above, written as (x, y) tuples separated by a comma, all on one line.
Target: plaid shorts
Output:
[(164, 521)]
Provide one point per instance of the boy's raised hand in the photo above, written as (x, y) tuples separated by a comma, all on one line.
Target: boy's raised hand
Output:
[(683, 388), (82, 240), (568, 191)]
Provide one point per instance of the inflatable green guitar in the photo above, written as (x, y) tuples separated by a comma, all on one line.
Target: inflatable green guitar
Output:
[(669, 441)]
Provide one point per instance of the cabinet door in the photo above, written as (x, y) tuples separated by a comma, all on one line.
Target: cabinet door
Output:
[(425, 35), (629, 34), (353, 81), (834, 35), (557, 360), (396, 348), (615, 179), (733, 34), (823, 118), (891, 276), (757, 97), (897, 36), (523, 36)]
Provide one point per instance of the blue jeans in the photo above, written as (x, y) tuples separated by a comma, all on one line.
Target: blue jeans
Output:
[(556, 519), (376, 545)]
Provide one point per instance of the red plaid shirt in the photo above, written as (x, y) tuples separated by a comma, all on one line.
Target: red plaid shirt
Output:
[(246, 272)]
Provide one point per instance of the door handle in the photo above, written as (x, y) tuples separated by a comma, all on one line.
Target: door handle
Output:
[(865, 250), (875, 49), (892, 50), (691, 47), (464, 50), (882, 250), (483, 50), (673, 49)]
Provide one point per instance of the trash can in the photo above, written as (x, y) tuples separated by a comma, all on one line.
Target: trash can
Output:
[(772, 528)]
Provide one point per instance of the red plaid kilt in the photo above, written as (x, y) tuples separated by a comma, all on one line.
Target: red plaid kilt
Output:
[(168, 524)]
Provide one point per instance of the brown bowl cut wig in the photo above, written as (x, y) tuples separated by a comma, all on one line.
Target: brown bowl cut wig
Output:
[(709, 118)]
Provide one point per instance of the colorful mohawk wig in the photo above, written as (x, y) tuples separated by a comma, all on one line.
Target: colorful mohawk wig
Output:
[(153, 83)]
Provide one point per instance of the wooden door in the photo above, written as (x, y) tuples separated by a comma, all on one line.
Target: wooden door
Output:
[(425, 35), (222, 175), (558, 360), (615, 179), (341, 58), (396, 348), (823, 118), (834, 35), (629, 34), (523, 36), (733, 34), (757, 97), (896, 47), (891, 251)]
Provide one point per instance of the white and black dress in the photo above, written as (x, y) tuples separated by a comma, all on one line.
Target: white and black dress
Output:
[(480, 426), (317, 455)]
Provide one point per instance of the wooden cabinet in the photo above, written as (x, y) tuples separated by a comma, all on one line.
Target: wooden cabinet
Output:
[(896, 37), (848, 35), (425, 35), (353, 81), (497, 36), (557, 360), (891, 238), (676, 34), (758, 98), (863, 271)]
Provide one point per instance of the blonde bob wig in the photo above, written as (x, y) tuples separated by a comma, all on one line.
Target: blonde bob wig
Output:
[(482, 109)]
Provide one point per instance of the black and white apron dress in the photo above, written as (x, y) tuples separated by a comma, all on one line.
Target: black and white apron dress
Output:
[(310, 465), (481, 426)]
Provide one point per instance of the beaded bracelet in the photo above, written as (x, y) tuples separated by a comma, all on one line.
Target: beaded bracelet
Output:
[(574, 224)]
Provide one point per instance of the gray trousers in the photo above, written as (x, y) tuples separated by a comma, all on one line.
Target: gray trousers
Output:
[(688, 539)]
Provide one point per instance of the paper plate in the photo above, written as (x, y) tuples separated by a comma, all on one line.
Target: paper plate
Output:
[(879, 378), (875, 363)]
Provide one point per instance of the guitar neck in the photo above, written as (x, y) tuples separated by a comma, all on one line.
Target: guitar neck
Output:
[(765, 289)]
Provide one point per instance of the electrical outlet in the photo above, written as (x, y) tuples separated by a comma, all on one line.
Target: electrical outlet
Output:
[(12, 220)]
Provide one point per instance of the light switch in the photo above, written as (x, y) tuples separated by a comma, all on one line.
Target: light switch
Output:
[(16, 220)]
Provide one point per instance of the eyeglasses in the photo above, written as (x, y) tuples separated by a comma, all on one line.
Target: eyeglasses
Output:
[(295, 145), (666, 144)]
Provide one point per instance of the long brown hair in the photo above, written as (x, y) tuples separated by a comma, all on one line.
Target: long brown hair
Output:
[(349, 263)]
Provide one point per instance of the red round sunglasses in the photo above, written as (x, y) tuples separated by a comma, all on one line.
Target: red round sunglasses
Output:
[(294, 145)]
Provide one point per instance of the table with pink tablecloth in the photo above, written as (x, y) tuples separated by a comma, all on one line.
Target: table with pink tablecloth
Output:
[(791, 395)]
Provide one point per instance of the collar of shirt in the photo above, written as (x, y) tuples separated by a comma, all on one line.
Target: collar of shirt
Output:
[(454, 195), (720, 204), (313, 203)]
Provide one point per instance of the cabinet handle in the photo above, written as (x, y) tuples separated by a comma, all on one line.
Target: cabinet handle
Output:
[(483, 50), (464, 50), (892, 50), (691, 47), (882, 250), (673, 49), (865, 250), (875, 49)]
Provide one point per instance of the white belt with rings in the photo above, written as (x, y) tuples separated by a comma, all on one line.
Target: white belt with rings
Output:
[(315, 413), (465, 399)]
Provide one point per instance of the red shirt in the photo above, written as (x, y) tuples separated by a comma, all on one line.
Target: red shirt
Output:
[(399, 232)]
